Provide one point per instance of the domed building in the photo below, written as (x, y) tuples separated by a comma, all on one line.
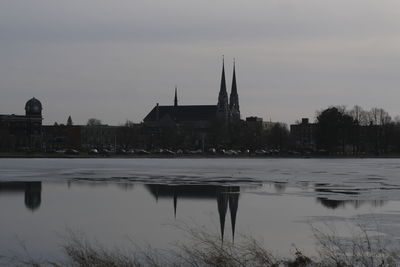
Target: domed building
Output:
[(33, 108), (22, 132)]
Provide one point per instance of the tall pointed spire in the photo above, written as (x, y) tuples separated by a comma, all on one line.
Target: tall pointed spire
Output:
[(223, 83), (222, 106), (234, 97), (176, 97), (234, 93)]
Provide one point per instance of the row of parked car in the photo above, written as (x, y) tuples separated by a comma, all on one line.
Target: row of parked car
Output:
[(159, 151), (267, 151)]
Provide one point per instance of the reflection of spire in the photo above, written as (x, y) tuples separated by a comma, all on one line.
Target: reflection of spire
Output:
[(222, 201), (225, 195), (175, 202), (233, 207)]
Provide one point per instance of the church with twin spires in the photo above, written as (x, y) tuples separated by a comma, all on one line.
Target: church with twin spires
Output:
[(198, 117)]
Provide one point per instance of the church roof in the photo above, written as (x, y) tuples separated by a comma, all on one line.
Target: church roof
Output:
[(183, 113)]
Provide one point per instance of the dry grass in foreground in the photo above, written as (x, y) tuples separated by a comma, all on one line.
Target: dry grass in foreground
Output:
[(206, 249)]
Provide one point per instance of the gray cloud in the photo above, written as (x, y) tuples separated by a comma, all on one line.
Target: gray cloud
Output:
[(115, 59), (194, 20)]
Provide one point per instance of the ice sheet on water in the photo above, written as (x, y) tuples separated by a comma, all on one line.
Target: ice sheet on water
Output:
[(329, 178), (338, 187), (382, 229)]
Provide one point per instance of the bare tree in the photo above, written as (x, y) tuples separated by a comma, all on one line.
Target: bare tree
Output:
[(373, 116), (384, 117), (93, 122), (360, 115), (129, 135)]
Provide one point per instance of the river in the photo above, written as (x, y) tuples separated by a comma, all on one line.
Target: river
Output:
[(126, 202)]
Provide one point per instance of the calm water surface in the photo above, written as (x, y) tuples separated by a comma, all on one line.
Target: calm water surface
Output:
[(146, 201)]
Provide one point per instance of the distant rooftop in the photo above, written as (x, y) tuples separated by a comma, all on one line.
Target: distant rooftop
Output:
[(183, 113)]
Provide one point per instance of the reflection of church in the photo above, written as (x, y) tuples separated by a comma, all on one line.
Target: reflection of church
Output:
[(227, 198), (32, 192)]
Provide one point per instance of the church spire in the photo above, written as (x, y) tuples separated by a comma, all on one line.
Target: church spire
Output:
[(223, 84), (234, 93), (222, 106), (234, 97), (176, 97)]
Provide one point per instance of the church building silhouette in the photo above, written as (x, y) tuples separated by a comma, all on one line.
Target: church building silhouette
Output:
[(198, 116)]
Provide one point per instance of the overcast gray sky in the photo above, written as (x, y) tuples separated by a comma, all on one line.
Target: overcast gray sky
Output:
[(113, 60)]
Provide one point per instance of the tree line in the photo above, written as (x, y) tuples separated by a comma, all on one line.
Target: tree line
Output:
[(335, 131), (357, 131)]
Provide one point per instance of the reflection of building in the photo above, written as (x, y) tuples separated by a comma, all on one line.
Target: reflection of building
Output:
[(32, 191), (280, 187), (22, 132), (334, 204), (226, 196)]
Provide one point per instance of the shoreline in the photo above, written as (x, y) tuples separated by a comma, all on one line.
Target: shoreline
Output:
[(194, 156)]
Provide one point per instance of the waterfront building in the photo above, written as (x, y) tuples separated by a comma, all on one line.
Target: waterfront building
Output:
[(98, 136), (195, 121), (22, 132), (303, 135), (58, 137), (257, 124), (87, 137)]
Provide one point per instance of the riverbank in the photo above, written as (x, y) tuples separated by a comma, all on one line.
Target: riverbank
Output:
[(188, 155), (206, 249)]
